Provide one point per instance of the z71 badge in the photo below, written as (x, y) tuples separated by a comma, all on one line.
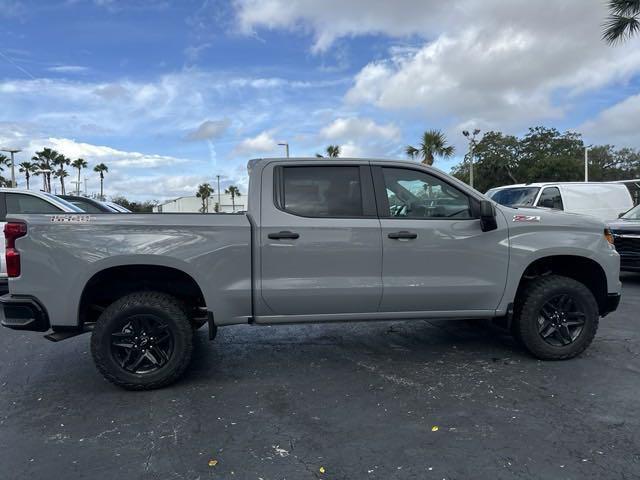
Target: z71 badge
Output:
[(526, 218), (70, 218)]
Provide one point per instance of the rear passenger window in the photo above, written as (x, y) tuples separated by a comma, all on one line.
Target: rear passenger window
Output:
[(19, 203), (322, 191), (551, 198)]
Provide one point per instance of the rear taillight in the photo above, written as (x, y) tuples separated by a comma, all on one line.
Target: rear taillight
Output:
[(12, 231)]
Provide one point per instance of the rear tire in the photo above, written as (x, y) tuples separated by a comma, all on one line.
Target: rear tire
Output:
[(143, 341), (556, 318)]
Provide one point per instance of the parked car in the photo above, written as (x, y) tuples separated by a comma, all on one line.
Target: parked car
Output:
[(322, 241), (117, 207), (626, 237), (88, 205), (603, 200), (18, 201)]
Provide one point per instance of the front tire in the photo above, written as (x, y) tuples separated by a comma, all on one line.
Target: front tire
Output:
[(143, 341), (556, 318)]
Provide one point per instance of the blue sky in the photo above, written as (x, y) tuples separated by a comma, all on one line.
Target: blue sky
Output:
[(170, 93)]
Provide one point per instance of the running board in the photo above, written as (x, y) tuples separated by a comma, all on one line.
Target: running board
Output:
[(64, 334)]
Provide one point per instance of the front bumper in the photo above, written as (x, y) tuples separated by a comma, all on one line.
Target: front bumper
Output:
[(611, 305), (23, 313)]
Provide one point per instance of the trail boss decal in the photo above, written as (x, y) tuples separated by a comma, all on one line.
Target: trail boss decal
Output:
[(70, 218), (526, 218)]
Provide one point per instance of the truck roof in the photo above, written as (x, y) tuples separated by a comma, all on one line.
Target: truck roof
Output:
[(259, 161)]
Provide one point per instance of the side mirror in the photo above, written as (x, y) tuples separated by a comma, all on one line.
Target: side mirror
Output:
[(487, 216)]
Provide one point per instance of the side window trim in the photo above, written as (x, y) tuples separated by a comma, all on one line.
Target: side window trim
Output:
[(368, 198), (383, 202)]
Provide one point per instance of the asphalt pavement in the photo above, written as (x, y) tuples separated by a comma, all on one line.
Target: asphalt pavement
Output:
[(387, 400)]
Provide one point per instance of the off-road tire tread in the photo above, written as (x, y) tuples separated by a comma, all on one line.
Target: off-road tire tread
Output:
[(172, 306), (529, 306)]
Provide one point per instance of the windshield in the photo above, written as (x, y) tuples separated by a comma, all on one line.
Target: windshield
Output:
[(68, 205), (633, 214), (512, 197)]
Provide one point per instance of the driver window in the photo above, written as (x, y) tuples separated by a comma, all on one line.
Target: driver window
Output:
[(416, 194)]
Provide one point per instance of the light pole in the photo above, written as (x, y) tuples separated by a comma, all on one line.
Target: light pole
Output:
[(219, 206), (472, 146), (286, 148), (586, 163), (12, 151)]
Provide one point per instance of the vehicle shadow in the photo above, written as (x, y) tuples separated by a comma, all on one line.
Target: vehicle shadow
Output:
[(242, 352)]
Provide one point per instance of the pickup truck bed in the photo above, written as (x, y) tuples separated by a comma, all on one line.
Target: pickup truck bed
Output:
[(214, 250)]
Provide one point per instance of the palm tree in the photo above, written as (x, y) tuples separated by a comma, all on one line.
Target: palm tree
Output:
[(28, 169), (101, 168), (204, 192), (333, 151), (60, 161), (61, 173), (623, 21), (234, 192), (79, 163), (44, 160), (433, 144)]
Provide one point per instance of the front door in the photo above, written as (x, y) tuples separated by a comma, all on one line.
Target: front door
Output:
[(321, 248), (436, 258)]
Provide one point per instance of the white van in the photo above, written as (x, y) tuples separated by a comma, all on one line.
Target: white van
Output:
[(603, 200)]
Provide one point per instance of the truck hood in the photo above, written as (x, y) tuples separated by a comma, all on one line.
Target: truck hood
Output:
[(622, 225), (536, 217)]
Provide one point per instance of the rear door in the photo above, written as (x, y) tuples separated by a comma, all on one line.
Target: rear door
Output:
[(321, 249), (436, 258)]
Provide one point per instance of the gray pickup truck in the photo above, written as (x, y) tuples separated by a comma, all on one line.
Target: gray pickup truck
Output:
[(323, 240)]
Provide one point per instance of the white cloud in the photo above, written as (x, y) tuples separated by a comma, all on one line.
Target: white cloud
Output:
[(329, 20), (102, 154), (261, 143), (356, 128), (209, 129), (617, 125), (68, 69), (506, 63)]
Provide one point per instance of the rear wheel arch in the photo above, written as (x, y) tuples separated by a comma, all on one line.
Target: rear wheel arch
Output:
[(108, 285)]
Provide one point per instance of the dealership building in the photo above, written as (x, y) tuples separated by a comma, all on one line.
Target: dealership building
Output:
[(194, 204)]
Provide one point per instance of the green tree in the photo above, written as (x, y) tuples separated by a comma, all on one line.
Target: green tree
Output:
[(136, 207), (101, 168), (60, 162), (433, 144), (79, 164), (28, 168), (546, 155), (623, 21), (45, 160), (204, 192), (496, 159), (234, 192), (4, 162)]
